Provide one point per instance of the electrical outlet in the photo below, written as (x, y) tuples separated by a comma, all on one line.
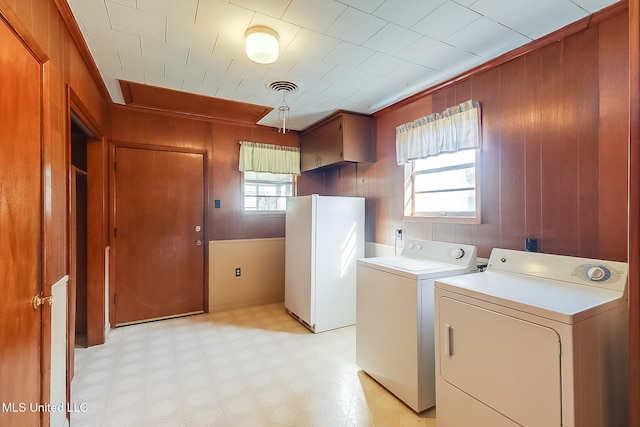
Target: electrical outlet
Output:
[(399, 234), (238, 272), (530, 244)]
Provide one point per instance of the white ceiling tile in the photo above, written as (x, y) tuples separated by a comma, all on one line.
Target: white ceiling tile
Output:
[(544, 16), (409, 73), (100, 38), (445, 20), (496, 39), (466, 3), (499, 9), (343, 75), (273, 8), (247, 87), (109, 61), (455, 61), (312, 44), (134, 21), (364, 5), (178, 10), (169, 53), (207, 61), (92, 12), (128, 3), (324, 13), (406, 12), (247, 70), (355, 26), (372, 84), (307, 98), (348, 54), (138, 63), (312, 67), (184, 73), (284, 64), (228, 81), (380, 64), (186, 34), (223, 18), (229, 45), (311, 85), (423, 50), (340, 91), (592, 5), (391, 39)]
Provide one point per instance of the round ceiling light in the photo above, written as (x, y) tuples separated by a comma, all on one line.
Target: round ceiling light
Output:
[(262, 44)]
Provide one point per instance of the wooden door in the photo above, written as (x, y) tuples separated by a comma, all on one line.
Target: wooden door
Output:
[(159, 233), (20, 231)]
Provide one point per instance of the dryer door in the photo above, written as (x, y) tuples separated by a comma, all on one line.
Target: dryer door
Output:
[(510, 365)]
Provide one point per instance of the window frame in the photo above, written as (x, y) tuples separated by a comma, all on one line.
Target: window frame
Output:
[(294, 182), (447, 217)]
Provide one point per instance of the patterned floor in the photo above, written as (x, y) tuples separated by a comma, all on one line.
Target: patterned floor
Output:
[(246, 367)]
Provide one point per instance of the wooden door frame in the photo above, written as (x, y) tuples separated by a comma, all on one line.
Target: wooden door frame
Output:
[(97, 235), (113, 145)]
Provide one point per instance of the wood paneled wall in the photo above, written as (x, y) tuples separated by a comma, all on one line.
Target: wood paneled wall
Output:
[(224, 181), (554, 156)]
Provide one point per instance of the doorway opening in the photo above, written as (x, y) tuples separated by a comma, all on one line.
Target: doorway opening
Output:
[(78, 291)]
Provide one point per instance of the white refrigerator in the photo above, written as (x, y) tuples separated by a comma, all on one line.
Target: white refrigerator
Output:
[(324, 238)]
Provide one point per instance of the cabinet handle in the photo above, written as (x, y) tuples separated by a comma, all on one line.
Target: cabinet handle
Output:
[(448, 340)]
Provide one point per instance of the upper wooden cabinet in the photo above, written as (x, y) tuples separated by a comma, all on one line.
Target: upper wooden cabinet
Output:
[(341, 138)]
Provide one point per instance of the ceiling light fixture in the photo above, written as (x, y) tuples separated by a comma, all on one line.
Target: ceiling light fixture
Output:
[(283, 109), (262, 44)]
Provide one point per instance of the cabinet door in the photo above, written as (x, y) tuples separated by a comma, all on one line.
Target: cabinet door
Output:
[(322, 146), (510, 365), (359, 141)]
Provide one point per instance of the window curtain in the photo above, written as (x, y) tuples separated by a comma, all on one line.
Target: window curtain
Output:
[(456, 128), (258, 157)]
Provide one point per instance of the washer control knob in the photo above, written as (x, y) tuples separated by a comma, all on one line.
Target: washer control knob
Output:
[(410, 246), (456, 253), (597, 273), (418, 247)]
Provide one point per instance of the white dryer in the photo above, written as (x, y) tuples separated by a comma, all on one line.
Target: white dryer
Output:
[(535, 340), (394, 316)]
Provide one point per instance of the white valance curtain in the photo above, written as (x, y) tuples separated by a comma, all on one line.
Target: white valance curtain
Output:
[(456, 128), (258, 157)]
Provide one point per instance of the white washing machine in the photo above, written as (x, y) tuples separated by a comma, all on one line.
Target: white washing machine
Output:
[(394, 316), (535, 340)]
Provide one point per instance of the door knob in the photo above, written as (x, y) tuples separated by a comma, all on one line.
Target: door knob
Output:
[(38, 301)]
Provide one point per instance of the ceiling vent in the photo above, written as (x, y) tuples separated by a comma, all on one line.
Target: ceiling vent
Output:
[(283, 109), (283, 86)]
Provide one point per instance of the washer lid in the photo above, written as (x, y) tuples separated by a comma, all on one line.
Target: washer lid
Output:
[(561, 301), (412, 267)]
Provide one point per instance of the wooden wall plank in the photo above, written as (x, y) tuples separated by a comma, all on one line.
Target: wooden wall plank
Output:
[(614, 128)]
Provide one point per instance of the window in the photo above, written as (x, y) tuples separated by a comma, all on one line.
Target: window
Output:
[(444, 186), (267, 192)]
